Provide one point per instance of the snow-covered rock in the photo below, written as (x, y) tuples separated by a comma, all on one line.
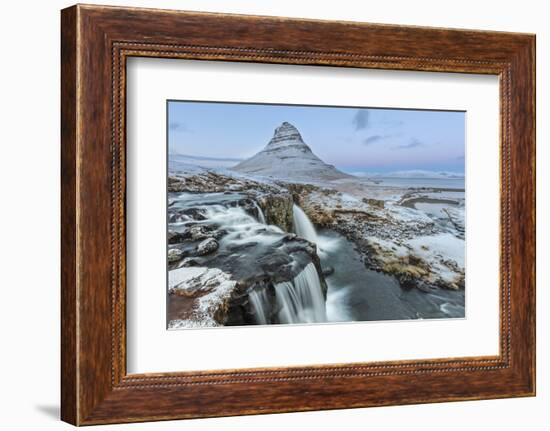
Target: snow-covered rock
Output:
[(207, 246), (210, 290), (286, 156), (174, 255)]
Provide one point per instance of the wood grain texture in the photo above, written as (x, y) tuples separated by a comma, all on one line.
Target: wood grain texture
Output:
[(96, 41)]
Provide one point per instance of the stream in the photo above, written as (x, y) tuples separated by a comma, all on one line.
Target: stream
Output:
[(356, 293)]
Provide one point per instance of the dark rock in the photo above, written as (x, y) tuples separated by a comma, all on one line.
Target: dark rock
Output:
[(193, 213), (198, 233), (177, 237), (175, 184), (406, 281), (239, 248)]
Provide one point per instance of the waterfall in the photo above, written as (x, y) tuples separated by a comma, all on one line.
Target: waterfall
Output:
[(259, 303), (260, 213), (302, 300), (298, 301), (302, 224), (247, 235)]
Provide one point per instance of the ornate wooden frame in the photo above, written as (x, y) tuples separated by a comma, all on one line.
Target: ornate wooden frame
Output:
[(95, 43)]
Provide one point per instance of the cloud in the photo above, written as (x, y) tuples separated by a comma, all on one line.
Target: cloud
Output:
[(413, 144), (373, 139), (391, 123), (361, 119), (180, 127)]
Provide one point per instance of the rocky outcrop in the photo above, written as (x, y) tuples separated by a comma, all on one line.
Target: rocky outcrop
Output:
[(263, 277), (319, 214), (277, 209), (207, 181), (286, 156)]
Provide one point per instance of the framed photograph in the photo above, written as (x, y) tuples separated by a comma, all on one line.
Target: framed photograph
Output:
[(264, 215), (286, 237)]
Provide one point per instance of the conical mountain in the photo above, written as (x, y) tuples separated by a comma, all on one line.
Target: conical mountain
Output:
[(287, 156)]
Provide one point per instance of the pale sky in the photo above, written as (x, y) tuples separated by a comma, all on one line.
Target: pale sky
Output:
[(352, 139)]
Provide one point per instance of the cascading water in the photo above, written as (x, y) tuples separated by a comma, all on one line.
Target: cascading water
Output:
[(260, 305), (298, 301), (302, 224), (302, 300), (261, 216)]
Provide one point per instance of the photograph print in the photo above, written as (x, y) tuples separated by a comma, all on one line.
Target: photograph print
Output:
[(297, 214)]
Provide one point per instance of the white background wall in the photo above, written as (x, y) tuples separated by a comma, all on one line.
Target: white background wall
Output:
[(29, 228)]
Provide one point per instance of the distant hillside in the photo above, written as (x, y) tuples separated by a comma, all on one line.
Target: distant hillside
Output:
[(421, 174)]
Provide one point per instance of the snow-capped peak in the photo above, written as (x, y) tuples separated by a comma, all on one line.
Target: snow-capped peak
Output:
[(287, 156), (285, 134)]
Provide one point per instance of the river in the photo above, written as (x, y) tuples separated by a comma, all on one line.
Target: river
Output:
[(356, 293)]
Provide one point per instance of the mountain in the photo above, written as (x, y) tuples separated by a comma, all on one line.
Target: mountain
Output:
[(287, 156)]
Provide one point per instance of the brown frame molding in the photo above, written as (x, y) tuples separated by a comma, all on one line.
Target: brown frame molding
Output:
[(95, 43)]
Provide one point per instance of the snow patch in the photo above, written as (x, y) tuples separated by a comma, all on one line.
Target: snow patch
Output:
[(444, 245), (197, 280)]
